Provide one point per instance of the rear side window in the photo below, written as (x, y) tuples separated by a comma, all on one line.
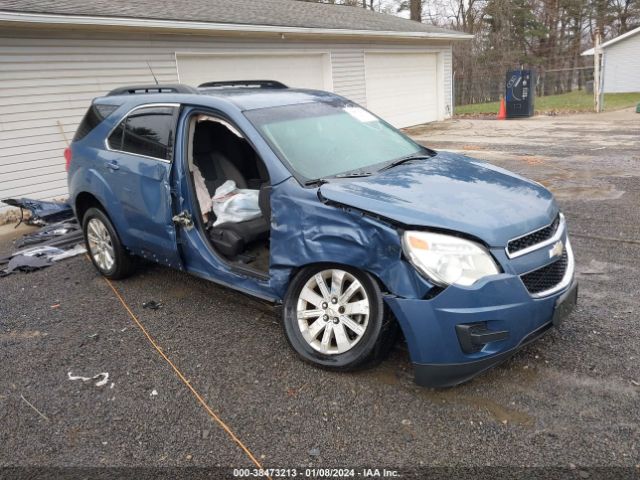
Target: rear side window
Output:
[(94, 116), (147, 131)]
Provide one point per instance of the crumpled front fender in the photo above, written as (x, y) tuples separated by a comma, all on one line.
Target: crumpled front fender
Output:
[(306, 231)]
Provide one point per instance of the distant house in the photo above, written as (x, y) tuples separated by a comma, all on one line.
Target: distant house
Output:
[(621, 63), (55, 56)]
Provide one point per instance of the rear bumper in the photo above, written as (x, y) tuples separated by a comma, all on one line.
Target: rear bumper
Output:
[(501, 310)]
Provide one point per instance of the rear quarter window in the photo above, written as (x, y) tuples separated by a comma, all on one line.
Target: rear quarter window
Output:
[(94, 116), (149, 131)]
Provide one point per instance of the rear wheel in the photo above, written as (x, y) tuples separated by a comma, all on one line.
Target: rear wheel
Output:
[(334, 317), (104, 247)]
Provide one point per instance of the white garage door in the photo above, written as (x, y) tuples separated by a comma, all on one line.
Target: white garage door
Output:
[(297, 70), (402, 88)]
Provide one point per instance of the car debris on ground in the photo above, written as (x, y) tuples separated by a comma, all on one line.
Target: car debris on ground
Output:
[(101, 378), (59, 238), (42, 212), (152, 305)]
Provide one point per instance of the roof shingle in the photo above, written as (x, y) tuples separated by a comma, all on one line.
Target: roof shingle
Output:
[(284, 13)]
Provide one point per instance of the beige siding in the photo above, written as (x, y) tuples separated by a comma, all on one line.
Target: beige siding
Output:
[(622, 66), (447, 62), (307, 69), (348, 74), (47, 80), (413, 97)]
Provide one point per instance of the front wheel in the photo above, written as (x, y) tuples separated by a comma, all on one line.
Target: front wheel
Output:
[(334, 317), (104, 247)]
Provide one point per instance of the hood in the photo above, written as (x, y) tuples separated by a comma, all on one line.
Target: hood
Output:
[(451, 192)]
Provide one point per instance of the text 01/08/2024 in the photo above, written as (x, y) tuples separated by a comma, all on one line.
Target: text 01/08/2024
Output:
[(314, 473)]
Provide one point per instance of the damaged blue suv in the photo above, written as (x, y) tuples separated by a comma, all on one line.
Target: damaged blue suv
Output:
[(358, 231)]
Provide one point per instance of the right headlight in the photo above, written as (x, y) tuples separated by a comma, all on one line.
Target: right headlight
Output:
[(448, 260)]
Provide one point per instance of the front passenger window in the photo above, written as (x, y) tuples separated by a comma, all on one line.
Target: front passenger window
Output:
[(147, 131)]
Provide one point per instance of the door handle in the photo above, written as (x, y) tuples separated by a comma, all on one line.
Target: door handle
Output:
[(113, 165)]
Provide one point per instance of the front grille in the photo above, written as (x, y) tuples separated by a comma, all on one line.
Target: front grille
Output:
[(546, 277), (534, 238)]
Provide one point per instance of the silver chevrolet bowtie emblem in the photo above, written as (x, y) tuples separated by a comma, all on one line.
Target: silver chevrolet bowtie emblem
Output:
[(556, 250)]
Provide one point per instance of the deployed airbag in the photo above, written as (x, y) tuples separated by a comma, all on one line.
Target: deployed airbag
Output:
[(235, 205)]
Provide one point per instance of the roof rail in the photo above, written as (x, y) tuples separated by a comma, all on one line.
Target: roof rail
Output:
[(141, 89), (244, 83)]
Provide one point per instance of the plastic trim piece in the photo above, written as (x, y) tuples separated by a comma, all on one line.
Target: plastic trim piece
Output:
[(153, 89), (556, 236), (566, 280), (452, 374), (245, 83)]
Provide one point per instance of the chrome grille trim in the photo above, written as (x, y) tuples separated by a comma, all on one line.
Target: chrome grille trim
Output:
[(566, 279), (554, 238)]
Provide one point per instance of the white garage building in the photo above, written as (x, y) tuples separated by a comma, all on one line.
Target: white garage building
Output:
[(55, 56), (621, 63)]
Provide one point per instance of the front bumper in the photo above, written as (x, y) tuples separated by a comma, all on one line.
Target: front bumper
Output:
[(452, 374), (500, 304)]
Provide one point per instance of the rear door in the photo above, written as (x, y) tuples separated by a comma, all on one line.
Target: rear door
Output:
[(138, 166)]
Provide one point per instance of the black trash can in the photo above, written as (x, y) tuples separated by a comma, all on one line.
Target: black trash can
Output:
[(520, 88)]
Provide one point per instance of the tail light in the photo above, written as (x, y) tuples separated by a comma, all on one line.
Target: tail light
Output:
[(67, 157)]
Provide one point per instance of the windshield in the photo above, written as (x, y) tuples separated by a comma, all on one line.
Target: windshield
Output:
[(321, 140)]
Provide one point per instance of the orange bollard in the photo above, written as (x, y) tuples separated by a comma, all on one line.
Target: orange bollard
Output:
[(502, 114)]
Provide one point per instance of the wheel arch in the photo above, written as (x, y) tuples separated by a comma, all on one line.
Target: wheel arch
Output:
[(295, 270), (84, 201)]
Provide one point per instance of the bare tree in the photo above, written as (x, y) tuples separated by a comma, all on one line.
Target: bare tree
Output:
[(547, 35), (415, 10)]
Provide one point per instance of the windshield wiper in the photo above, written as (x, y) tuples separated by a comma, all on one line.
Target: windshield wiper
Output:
[(353, 174), (408, 158), (316, 181), (321, 181)]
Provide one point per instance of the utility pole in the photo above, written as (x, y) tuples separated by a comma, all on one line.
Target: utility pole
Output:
[(597, 75)]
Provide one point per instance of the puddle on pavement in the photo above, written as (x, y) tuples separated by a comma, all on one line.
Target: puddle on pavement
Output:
[(578, 185), (385, 376), (498, 412), (392, 373), (473, 147), (583, 184), (606, 192), (533, 160), (395, 371)]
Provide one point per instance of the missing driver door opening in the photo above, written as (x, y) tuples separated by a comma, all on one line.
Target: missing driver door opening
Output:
[(218, 152)]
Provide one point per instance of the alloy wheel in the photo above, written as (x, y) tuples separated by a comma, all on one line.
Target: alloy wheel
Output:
[(333, 311), (100, 245)]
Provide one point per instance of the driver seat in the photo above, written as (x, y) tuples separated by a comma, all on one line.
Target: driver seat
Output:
[(215, 166), (214, 153), (231, 238)]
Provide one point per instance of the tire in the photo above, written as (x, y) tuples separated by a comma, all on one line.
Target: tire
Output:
[(104, 247), (370, 332)]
